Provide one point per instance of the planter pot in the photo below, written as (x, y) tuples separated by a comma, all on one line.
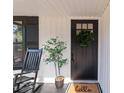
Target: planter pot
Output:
[(59, 81)]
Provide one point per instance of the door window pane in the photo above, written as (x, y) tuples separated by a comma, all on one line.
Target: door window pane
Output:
[(78, 31), (78, 26), (90, 26), (84, 26), (17, 43)]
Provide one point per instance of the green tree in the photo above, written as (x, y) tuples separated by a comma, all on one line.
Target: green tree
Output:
[(54, 49)]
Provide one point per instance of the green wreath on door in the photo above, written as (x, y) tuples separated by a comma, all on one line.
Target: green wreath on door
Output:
[(85, 37)]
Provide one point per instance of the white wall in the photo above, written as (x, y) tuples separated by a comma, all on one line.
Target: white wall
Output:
[(52, 26), (104, 55)]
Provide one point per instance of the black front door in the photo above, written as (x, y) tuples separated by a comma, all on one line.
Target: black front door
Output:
[(84, 59)]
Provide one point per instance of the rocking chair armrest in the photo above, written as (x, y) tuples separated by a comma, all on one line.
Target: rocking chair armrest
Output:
[(17, 74)]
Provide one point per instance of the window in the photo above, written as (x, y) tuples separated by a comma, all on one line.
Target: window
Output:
[(17, 43), (25, 35), (84, 26)]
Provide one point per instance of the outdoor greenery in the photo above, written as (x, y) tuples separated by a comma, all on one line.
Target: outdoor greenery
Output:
[(85, 37), (17, 33), (54, 49)]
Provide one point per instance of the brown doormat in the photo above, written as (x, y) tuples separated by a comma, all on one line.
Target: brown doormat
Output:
[(83, 88)]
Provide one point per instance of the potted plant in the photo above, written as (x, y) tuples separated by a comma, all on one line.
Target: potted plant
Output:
[(85, 37), (54, 49)]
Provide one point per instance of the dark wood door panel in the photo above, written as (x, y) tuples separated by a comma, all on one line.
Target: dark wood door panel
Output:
[(84, 61)]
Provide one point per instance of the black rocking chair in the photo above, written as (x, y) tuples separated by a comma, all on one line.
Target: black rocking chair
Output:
[(21, 82)]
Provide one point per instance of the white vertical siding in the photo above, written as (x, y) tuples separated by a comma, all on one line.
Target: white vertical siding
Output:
[(104, 62), (52, 26)]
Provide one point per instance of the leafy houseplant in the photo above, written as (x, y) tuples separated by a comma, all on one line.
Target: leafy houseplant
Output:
[(54, 49), (85, 37)]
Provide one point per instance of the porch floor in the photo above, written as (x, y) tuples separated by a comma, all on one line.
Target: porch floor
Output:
[(51, 88)]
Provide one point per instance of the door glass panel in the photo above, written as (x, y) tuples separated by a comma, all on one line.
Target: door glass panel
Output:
[(78, 26), (91, 31), (17, 33), (17, 43), (78, 31), (84, 26), (90, 26)]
